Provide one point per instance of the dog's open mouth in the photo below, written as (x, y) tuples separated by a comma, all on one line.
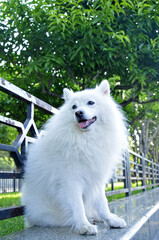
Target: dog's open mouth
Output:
[(85, 123)]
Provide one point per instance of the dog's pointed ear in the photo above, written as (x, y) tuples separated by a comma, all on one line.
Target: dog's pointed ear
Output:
[(104, 87), (67, 94)]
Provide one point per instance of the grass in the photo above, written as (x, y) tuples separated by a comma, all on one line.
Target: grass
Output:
[(10, 199), (120, 185), (117, 186), (13, 224)]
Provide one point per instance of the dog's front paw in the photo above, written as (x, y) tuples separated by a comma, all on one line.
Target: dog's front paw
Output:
[(116, 222), (87, 229), (95, 220)]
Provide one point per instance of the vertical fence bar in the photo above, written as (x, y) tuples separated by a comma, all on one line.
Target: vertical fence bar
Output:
[(127, 174), (14, 188), (112, 184), (136, 169), (18, 184), (143, 172), (153, 179), (124, 173), (3, 185), (24, 146)]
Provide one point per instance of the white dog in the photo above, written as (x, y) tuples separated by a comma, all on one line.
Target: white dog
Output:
[(67, 168)]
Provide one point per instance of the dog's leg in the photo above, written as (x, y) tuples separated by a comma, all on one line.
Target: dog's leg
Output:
[(103, 210), (80, 221)]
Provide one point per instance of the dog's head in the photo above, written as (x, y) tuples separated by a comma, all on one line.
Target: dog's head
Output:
[(85, 105)]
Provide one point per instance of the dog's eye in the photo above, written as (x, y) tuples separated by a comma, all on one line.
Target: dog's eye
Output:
[(90, 103), (74, 106)]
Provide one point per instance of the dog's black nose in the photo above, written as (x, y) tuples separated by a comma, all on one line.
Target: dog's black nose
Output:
[(79, 114)]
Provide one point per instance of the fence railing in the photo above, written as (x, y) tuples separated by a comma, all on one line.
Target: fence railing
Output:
[(135, 173), (10, 182), (27, 132), (29, 125)]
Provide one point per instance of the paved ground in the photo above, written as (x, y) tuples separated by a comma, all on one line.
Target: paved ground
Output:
[(140, 211)]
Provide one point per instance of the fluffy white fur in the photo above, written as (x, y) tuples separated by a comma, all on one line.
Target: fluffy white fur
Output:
[(67, 168)]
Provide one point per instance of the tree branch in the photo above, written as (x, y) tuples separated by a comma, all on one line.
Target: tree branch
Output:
[(100, 71), (51, 81), (72, 76), (44, 90), (120, 87), (42, 82), (138, 117), (149, 101), (125, 103), (70, 72), (153, 136), (136, 99), (52, 93)]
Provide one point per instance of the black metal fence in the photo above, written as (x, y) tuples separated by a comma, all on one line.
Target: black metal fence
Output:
[(10, 182), (135, 173), (29, 125), (20, 144)]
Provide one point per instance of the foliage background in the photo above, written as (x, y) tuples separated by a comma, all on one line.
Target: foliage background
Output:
[(47, 45)]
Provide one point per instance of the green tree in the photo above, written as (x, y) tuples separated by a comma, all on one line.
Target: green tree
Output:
[(6, 162)]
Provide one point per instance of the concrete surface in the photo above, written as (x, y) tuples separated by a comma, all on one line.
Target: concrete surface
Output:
[(140, 211)]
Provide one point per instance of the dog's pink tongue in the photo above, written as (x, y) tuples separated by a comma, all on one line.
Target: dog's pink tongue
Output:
[(83, 124)]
